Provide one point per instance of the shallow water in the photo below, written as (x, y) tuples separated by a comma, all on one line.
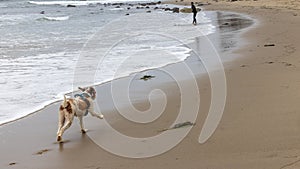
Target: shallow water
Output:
[(47, 49), (41, 43)]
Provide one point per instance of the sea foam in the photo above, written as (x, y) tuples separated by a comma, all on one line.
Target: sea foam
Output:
[(58, 18)]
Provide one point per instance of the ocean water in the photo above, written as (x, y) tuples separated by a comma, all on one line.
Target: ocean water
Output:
[(44, 44)]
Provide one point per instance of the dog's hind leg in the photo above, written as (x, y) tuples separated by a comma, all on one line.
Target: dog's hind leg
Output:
[(68, 123), (81, 124), (61, 122)]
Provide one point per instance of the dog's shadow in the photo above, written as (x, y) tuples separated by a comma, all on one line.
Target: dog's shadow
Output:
[(63, 142)]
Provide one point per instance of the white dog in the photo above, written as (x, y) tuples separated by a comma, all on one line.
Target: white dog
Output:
[(79, 106)]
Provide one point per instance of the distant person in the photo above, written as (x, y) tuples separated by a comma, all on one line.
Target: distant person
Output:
[(194, 10)]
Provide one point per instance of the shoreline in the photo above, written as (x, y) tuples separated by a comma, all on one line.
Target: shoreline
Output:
[(259, 128)]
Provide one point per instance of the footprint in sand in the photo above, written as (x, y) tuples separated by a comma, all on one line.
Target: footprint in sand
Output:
[(42, 152), (287, 64), (289, 49)]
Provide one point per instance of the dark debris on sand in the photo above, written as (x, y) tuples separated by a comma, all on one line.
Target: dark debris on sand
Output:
[(147, 77), (269, 45), (179, 125), (12, 163)]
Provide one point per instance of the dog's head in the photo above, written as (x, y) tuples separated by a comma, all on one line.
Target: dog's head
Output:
[(90, 90)]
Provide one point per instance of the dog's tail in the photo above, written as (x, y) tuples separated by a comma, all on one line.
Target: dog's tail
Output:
[(65, 104)]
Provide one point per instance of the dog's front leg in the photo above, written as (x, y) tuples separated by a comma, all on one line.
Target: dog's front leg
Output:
[(100, 116), (93, 113), (81, 124)]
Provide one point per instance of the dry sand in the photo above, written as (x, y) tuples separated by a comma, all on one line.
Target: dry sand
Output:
[(266, 4), (260, 127)]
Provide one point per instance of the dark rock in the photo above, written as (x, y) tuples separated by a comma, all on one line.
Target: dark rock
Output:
[(186, 10), (127, 14), (175, 10), (202, 3), (128, 8), (159, 2), (72, 6), (156, 8), (167, 9), (42, 12), (147, 7), (148, 11)]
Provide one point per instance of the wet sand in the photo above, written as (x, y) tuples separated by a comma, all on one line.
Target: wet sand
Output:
[(259, 129)]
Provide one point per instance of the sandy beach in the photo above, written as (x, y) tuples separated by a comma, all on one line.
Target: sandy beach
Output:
[(260, 127)]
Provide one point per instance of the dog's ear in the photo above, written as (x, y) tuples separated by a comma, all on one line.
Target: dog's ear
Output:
[(92, 92), (82, 89)]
